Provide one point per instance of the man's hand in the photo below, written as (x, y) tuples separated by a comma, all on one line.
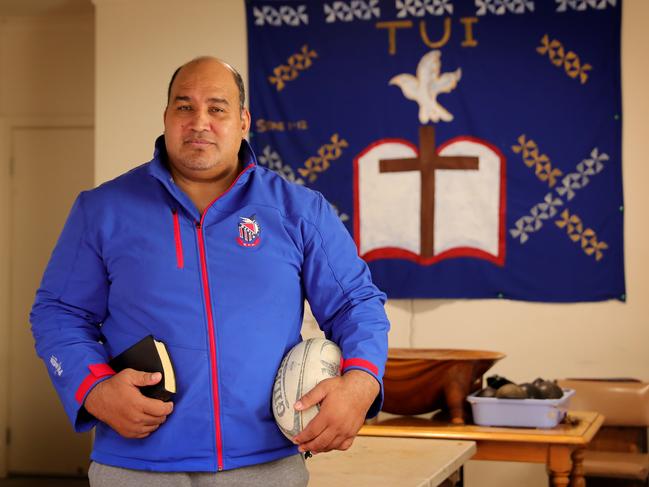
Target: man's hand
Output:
[(119, 403), (344, 402)]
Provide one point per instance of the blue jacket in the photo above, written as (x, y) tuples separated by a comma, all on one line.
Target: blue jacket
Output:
[(224, 291)]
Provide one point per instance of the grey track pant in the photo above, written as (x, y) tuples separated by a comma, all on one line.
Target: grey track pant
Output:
[(285, 472)]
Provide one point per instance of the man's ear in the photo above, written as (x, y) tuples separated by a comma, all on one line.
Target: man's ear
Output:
[(164, 114), (245, 122)]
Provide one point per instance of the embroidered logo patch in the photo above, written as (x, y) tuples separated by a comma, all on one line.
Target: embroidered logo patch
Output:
[(249, 232), (56, 365)]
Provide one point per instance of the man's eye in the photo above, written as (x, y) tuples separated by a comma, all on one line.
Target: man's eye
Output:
[(216, 109), (184, 108)]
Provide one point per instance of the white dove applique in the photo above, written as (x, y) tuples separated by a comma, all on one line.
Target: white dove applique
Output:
[(425, 87)]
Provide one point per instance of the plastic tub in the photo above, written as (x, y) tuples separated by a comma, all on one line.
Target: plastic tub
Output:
[(527, 413)]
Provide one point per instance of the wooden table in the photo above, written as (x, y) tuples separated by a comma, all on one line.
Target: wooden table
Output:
[(560, 448), (386, 462)]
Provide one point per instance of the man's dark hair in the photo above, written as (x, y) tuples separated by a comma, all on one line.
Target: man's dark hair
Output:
[(235, 74)]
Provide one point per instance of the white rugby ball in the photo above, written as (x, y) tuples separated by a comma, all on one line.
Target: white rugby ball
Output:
[(303, 367)]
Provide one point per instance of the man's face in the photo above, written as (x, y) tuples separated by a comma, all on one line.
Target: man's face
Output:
[(203, 123)]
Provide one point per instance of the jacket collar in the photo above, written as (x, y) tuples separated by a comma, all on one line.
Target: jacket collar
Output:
[(159, 169)]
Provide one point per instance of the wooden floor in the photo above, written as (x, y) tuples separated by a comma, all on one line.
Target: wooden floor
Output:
[(43, 482)]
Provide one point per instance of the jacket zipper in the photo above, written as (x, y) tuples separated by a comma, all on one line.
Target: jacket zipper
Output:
[(180, 261), (210, 324), (212, 337)]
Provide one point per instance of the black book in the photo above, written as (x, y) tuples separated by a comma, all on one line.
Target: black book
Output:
[(149, 355)]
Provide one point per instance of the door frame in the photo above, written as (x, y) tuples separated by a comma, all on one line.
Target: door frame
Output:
[(7, 126)]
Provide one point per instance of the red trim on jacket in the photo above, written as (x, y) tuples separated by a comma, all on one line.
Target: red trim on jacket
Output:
[(180, 261), (359, 362), (245, 169), (97, 371), (212, 336), (210, 322)]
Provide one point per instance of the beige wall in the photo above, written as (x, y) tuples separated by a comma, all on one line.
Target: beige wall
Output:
[(46, 78), (139, 45), (140, 42), (4, 292), (47, 65)]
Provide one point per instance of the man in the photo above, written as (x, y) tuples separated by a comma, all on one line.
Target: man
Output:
[(214, 256)]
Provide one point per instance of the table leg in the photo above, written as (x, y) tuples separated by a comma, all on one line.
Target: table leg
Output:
[(560, 479), (560, 465), (452, 481), (456, 389), (577, 474)]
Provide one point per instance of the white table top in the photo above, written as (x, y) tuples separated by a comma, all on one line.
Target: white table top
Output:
[(386, 462)]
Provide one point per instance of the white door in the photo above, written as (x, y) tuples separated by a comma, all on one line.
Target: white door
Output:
[(51, 166)]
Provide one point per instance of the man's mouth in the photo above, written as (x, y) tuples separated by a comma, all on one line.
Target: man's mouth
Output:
[(198, 142)]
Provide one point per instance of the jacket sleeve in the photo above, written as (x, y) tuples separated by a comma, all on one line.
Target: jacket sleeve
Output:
[(70, 305), (343, 299)]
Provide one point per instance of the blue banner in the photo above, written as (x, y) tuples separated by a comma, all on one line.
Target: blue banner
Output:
[(472, 148)]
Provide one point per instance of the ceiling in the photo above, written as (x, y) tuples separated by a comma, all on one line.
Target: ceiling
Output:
[(44, 7)]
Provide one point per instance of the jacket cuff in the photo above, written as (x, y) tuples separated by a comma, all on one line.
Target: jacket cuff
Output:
[(358, 363), (373, 370), (84, 421), (97, 372)]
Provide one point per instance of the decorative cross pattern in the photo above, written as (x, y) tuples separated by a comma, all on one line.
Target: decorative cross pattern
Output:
[(343, 216), (549, 208), (558, 56), (586, 237), (585, 169), (581, 5), (541, 162), (318, 164), (419, 8), (273, 161), (533, 222), (501, 7), (297, 62), (349, 11), (283, 15)]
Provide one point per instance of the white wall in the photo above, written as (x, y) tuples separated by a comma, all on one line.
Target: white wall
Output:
[(46, 76), (140, 42)]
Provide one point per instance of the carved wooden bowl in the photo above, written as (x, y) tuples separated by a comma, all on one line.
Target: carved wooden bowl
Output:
[(419, 380)]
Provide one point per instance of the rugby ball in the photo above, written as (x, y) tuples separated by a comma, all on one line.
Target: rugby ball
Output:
[(303, 367)]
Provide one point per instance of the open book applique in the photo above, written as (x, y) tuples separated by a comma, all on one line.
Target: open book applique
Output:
[(430, 204)]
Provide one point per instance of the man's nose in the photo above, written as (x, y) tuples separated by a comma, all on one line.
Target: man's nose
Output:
[(200, 121)]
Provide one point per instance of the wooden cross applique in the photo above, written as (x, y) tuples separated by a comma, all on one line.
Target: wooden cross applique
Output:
[(427, 163)]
